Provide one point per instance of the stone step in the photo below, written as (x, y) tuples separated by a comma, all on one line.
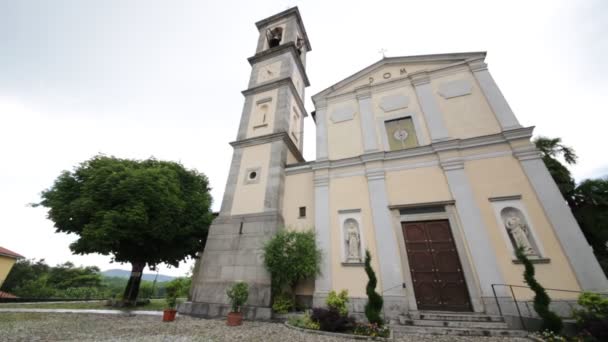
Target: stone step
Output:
[(453, 316), (455, 324), (400, 330)]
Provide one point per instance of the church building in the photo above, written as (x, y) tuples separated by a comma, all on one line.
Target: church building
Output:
[(419, 159)]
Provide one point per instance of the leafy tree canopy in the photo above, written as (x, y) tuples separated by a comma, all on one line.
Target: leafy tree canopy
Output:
[(142, 212), (291, 256), (587, 200)]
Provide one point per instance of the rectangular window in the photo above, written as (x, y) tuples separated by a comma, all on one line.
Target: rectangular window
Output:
[(302, 212), (401, 134)]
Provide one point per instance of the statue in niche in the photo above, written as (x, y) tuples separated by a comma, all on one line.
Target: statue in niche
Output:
[(518, 230), (353, 241)]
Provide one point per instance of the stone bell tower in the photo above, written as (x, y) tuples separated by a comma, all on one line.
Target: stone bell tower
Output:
[(269, 137)]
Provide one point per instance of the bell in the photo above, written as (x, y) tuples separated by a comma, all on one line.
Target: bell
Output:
[(274, 36)]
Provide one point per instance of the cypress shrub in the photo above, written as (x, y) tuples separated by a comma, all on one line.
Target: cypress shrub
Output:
[(373, 308), (551, 321)]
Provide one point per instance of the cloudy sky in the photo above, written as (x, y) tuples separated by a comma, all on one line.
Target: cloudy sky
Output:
[(137, 79)]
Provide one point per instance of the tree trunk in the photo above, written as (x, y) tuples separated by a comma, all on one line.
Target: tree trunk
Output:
[(129, 298)]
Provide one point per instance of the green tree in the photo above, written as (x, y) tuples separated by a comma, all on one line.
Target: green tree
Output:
[(23, 271), (141, 212), (291, 256), (550, 321), (373, 308), (66, 275), (552, 149), (588, 201), (591, 212)]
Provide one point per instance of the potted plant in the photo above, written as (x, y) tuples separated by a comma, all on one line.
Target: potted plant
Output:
[(238, 294), (169, 312)]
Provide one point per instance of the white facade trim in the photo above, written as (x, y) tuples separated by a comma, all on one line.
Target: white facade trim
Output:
[(494, 96), (473, 228), (386, 241), (323, 235), (370, 141), (430, 109), (321, 133)]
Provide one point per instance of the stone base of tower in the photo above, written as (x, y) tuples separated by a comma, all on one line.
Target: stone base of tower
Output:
[(233, 253)]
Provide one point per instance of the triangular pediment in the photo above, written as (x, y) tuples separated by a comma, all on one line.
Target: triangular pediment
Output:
[(390, 68)]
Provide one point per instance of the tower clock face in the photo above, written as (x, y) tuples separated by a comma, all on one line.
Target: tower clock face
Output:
[(269, 72)]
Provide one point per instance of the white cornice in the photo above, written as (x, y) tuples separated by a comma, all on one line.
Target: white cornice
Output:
[(275, 84), (433, 150), (458, 58), (268, 138)]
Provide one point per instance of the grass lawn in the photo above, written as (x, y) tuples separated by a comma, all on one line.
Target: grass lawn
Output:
[(155, 305)]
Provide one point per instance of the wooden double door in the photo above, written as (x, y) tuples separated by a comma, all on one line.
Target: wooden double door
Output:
[(437, 275)]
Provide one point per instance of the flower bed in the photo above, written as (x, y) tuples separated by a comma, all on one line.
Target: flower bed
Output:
[(360, 331), (345, 335)]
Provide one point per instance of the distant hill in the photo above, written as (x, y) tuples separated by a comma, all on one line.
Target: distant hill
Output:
[(126, 274)]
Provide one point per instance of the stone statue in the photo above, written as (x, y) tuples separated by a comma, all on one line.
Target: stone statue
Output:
[(353, 242), (519, 232)]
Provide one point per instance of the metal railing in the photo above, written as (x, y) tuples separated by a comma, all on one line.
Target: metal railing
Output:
[(511, 286)]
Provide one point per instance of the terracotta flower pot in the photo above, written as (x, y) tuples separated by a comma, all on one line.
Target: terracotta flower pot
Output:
[(169, 315), (234, 319)]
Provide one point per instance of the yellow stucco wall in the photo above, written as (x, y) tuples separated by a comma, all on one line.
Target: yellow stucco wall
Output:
[(255, 127), (249, 198), (420, 185), (6, 264), (503, 176), (465, 116), (344, 139), (299, 192), (344, 194)]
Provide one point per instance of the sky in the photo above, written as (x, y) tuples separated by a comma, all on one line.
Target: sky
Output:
[(136, 79)]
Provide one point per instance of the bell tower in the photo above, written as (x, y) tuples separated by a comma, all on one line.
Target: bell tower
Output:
[(269, 137)]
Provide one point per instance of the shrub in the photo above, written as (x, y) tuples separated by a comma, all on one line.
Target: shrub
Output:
[(550, 321), (238, 294), (592, 319), (171, 292), (372, 330), (373, 308), (338, 301), (331, 320), (304, 321), (282, 303), (549, 336), (291, 256)]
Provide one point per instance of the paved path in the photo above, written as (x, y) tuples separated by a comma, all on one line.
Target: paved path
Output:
[(45, 326), (87, 311)]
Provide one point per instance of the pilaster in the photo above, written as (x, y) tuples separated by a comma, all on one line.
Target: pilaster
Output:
[(493, 95), (477, 238), (321, 121), (580, 254), (368, 125), (323, 236), (430, 108)]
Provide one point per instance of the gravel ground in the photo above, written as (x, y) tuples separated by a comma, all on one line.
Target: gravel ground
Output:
[(88, 327)]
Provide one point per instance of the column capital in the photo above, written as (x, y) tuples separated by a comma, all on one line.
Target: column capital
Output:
[(321, 181), (320, 105), (452, 164), (375, 174), (477, 65), (420, 78), (363, 93), (527, 153)]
